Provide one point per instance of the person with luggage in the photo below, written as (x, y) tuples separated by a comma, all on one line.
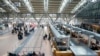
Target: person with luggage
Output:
[(12, 31), (20, 35), (43, 54), (34, 54), (26, 31)]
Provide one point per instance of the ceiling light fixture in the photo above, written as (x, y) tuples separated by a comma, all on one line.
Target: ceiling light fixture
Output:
[(81, 3), (28, 5), (11, 5), (46, 3), (63, 5), (94, 1)]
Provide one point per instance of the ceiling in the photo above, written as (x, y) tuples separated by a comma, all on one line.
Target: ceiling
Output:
[(38, 6), (90, 11)]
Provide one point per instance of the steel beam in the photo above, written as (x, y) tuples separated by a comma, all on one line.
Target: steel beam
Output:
[(50, 18), (41, 18), (34, 16), (34, 13), (57, 16)]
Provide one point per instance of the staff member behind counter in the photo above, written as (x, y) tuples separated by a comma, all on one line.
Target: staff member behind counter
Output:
[(95, 46)]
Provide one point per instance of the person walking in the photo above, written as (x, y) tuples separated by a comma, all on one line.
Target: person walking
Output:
[(43, 54)]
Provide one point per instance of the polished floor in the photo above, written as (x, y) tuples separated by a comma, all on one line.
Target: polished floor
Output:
[(8, 42), (34, 42)]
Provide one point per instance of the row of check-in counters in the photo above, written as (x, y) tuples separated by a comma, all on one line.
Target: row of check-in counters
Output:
[(78, 41), (87, 37)]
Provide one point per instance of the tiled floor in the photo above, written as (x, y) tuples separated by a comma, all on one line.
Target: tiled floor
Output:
[(36, 43), (46, 48), (8, 42)]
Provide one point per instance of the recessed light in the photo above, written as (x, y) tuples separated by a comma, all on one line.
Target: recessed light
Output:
[(93, 0)]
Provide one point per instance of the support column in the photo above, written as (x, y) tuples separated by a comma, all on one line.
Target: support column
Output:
[(63, 17), (50, 18), (69, 39), (66, 18), (79, 33), (89, 40), (13, 17), (57, 16), (41, 18)]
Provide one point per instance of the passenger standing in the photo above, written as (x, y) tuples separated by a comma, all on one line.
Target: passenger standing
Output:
[(12, 31), (20, 28), (34, 54), (43, 54), (42, 26), (97, 42), (39, 54), (45, 36), (49, 38), (25, 31), (15, 29)]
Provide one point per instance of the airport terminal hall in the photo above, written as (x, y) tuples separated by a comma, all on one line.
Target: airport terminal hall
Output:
[(49, 27)]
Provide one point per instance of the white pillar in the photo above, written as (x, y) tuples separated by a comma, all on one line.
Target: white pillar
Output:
[(89, 40), (69, 37), (69, 41), (79, 32)]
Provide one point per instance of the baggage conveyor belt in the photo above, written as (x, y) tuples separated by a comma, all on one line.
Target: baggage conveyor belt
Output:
[(80, 49), (74, 42)]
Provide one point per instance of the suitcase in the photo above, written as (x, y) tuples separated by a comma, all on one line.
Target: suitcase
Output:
[(12, 54), (12, 31), (20, 37)]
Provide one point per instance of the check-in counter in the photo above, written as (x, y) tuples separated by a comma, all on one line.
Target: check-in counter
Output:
[(91, 26), (85, 33), (75, 42), (84, 37), (60, 42)]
